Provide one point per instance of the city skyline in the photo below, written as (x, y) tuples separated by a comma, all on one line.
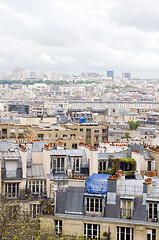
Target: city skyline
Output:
[(85, 36)]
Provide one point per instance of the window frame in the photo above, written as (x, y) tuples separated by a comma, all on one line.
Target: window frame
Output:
[(56, 163), (89, 230), (58, 226), (123, 235), (35, 210), (76, 162), (11, 190), (154, 210), (152, 233), (126, 208), (91, 205)]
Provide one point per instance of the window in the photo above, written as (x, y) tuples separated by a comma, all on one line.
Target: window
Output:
[(81, 129), (124, 233), (75, 164), (104, 131), (57, 164), (58, 226), (104, 139), (36, 187), (88, 131), (96, 131), (92, 231), (151, 234), (152, 211), (102, 166), (126, 209), (35, 210), (74, 146), (12, 190), (149, 166), (94, 205)]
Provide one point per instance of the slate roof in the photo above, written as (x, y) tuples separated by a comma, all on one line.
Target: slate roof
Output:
[(113, 210), (130, 187), (61, 198), (74, 203)]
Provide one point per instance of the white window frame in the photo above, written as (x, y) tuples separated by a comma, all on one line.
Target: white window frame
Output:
[(9, 187), (36, 186), (75, 166), (125, 233), (99, 201), (92, 229), (103, 163), (153, 212), (37, 209), (127, 209), (58, 226), (150, 232), (54, 164)]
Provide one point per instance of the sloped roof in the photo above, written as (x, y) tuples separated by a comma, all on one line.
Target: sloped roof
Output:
[(74, 203), (122, 154)]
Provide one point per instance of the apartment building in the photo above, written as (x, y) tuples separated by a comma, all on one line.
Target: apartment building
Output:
[(115, 208)]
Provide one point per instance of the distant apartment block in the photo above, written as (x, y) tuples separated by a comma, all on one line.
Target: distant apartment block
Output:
[(20, 108), (126, 75), (110, 74)]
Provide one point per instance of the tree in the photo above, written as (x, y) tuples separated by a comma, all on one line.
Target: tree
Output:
[(134, 125)]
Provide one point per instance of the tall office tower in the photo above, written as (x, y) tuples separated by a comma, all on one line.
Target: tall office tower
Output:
[(110, 74), (126, 75)]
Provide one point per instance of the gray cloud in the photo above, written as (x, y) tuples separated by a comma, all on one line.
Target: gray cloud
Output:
[(85, 35)]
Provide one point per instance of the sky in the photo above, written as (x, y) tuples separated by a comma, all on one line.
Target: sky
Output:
[(81, 36)]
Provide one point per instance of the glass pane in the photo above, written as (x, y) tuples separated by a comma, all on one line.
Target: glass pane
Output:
[(92, 205), (58, 162), (124, 208), (97, 205), (155, 210), (87, 204), (62, 163), (150, 210)]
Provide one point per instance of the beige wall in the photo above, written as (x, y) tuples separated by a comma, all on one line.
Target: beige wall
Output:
[(76, 227), (37, 120), (156, 157), (92, 156), (141, 164), (37, 157)]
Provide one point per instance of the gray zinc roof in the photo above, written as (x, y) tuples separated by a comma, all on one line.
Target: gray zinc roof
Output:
[(122, 154), (74, 203)]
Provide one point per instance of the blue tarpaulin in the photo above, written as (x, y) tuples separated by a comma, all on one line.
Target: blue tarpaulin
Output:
[(97, 183)]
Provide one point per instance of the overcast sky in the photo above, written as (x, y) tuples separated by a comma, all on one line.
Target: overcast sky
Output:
[(80, 35)]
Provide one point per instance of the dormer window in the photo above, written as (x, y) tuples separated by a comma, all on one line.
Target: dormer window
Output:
[(126, 209), (152, 211), (75, 163), (126, 205), (94, 205), (57, 164)]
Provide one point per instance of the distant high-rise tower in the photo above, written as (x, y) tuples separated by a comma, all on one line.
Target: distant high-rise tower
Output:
[(110, 74), (126, 75)]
